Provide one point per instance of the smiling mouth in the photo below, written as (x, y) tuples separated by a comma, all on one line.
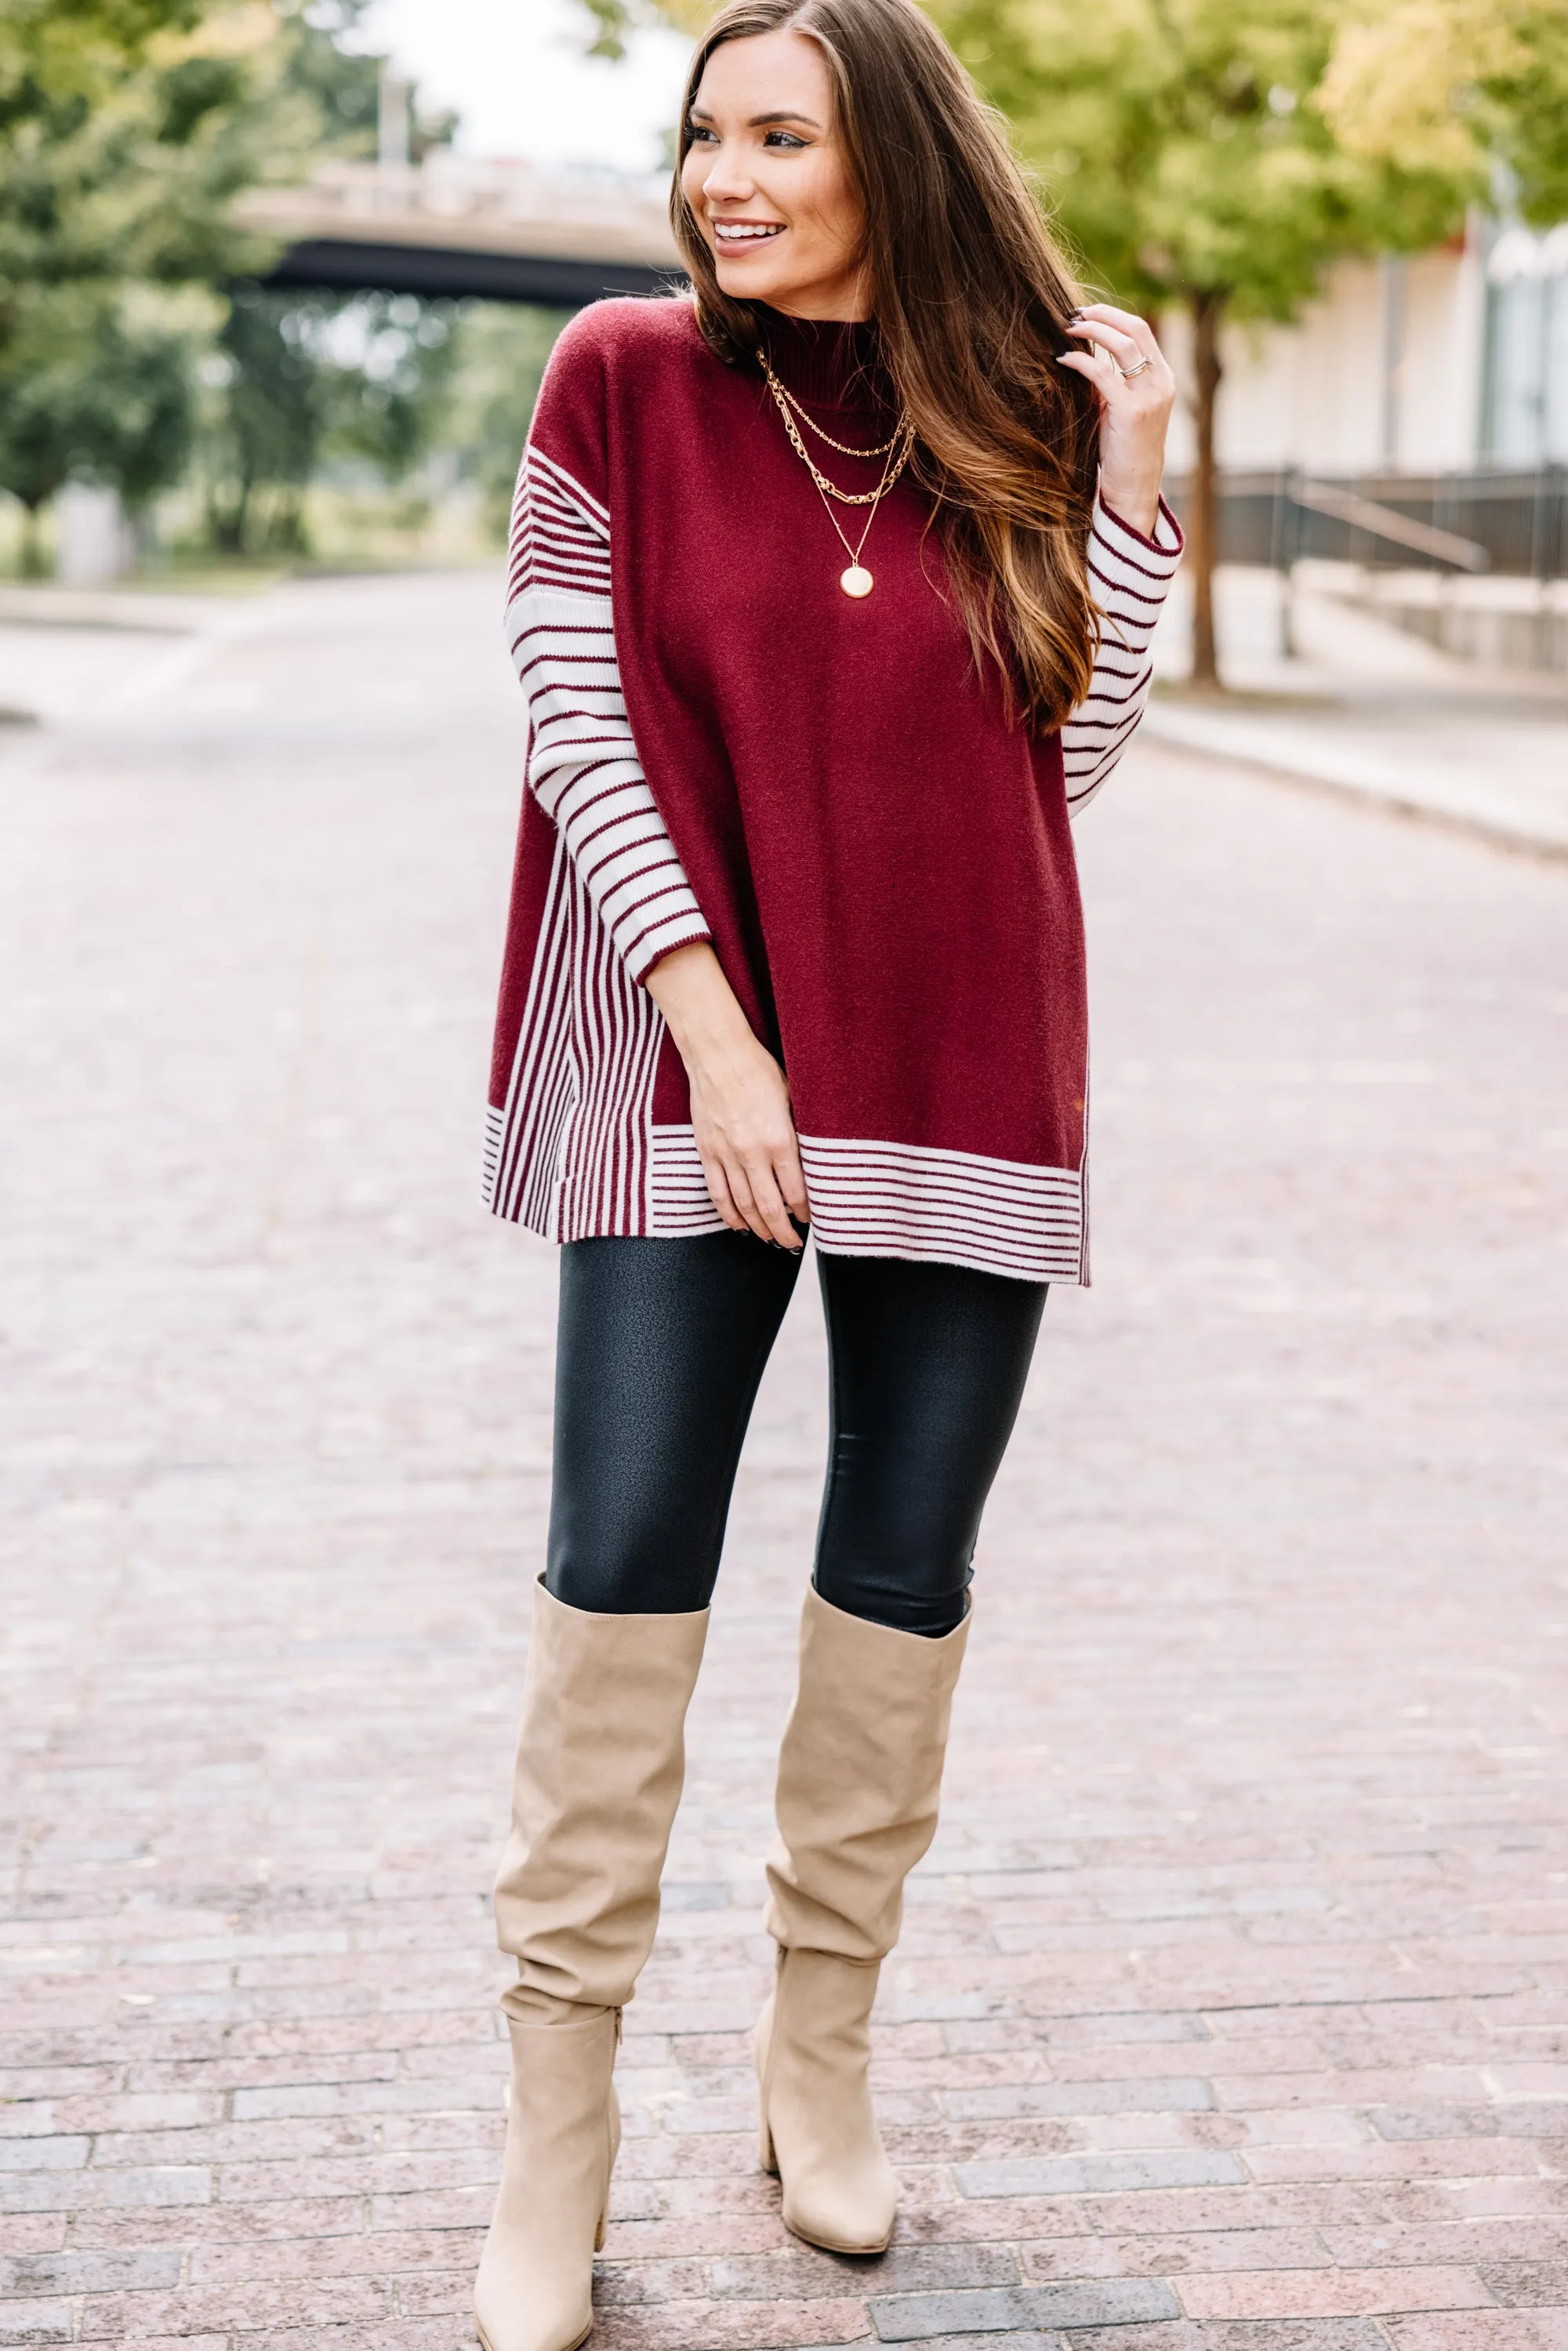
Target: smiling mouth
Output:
[(736, 236)]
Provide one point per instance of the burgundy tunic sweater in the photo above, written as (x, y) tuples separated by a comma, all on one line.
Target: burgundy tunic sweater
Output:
[(724, 746)]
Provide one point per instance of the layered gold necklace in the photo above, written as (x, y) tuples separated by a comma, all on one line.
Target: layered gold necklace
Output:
[(855, 580)]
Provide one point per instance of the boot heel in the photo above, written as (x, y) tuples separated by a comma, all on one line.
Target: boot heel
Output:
[(761, 2036)]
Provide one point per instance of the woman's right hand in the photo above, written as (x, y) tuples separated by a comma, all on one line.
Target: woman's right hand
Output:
[(740, 1102)]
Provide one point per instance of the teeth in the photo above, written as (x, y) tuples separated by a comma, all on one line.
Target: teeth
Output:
[(743, 232)]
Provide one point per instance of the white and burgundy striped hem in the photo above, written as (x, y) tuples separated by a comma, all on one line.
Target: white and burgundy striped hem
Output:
[(679, 1201), (902, 1199)]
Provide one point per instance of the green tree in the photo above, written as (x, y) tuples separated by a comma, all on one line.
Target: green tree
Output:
[(301, 378), (610, 21), (120, 156), (126, 129), (1476, 88), (500, 367), (392, 358), (271, 417), (341, 80), (96, 389), (1183, 147)]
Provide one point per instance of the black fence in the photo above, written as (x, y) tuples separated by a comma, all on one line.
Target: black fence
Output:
[(1515, 523)]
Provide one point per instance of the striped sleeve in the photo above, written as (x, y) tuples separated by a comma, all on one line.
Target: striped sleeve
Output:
[(583, 767), (1129, 575)]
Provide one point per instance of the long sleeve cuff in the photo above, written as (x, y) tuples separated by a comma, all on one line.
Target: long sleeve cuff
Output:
[(1129, 573), (1167, 543)]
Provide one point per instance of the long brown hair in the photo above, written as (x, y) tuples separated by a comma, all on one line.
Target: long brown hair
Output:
[(971, 300)]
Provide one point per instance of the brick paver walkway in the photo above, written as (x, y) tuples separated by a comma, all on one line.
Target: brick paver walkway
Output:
[(1230, 2015)]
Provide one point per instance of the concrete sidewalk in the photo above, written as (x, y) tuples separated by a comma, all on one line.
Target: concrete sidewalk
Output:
[(1364, 709), (1230, 2011)]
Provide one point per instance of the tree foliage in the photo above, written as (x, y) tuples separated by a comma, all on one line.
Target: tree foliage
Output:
[(504, 354), (1183, 147), (120, 158), (611, 22), (1180, 143), (1476, 88), (303, 379), (126, 129), (96, 389)]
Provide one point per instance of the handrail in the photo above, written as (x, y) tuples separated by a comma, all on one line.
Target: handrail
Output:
[(1388, 522)]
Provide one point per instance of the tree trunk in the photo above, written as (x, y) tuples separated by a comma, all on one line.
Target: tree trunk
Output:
[(1203, 522), (33, 565)]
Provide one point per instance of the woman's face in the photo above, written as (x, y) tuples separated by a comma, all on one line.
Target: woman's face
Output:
[(765, 179)]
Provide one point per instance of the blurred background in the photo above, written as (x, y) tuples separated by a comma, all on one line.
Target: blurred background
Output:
[(278, 282)]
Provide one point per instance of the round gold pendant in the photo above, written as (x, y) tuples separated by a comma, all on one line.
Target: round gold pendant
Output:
[(856, 580)]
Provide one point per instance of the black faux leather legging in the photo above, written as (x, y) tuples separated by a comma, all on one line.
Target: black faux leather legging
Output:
[(662, 1345)]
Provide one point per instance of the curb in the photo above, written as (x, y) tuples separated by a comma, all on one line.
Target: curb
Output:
[(1355, 780)]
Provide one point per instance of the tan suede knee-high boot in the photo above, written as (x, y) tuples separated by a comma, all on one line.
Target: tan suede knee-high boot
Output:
[(859, 1775), (599, 1763)]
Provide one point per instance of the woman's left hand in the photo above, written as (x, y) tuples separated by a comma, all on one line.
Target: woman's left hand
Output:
[(1137, 392)]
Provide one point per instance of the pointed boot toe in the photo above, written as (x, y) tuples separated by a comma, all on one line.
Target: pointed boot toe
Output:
[(818, 2130), (535, 2287)]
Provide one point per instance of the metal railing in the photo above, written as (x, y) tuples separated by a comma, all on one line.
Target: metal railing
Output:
[(1483, 520)]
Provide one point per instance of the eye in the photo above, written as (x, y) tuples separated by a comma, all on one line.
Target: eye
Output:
[(785, 139), (698, 135)]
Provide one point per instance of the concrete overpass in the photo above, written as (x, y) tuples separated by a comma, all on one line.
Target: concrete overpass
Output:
[(503, 232)]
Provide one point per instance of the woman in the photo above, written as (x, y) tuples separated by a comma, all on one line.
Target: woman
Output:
[(825, 632)]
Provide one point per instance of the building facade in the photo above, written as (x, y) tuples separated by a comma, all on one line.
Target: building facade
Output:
[(1439, 363)]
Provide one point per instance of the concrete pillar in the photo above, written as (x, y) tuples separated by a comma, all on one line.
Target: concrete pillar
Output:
[(93, 540)]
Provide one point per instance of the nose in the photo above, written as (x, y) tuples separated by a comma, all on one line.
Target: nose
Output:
[(726, 179)]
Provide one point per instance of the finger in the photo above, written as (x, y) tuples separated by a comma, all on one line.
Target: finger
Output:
[(1119, 386), (1121, 346), (720, 1193), (741, 1194), (1128, 322), (793, 1181), (1103, 373), (770, 1204)]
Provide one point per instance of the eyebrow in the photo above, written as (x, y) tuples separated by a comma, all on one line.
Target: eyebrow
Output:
[(761, 122)]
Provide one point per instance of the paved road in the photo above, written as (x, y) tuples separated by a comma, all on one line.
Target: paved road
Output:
[(1231, 2016)]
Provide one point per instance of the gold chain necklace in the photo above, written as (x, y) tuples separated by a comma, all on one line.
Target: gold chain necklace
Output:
[(856, 580), (842, 447)]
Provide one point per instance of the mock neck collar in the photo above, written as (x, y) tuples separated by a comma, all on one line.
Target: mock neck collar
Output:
[(834, 362)]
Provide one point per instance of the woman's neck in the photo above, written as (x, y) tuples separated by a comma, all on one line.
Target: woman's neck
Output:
[(835, 362)]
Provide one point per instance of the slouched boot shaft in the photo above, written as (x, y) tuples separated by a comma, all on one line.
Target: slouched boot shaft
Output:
[(600, 1758), (598, 1768), (860, 1773)]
